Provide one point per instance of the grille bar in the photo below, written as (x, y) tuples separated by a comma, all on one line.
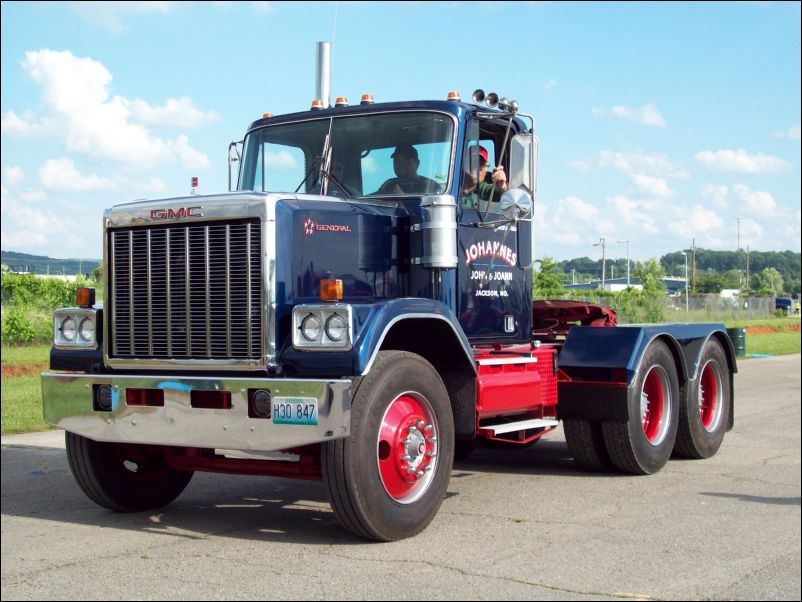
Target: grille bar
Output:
[(187, 292)]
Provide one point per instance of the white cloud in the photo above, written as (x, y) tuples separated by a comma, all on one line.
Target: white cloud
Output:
[(634, 213), (573, 221), (791, 134), (717, 194), (76, 91), (741, 162), (175, 113), (550, 84), (12, 176), (702, 224), (264, 7), (22, 127), (647, 115), (281, 160), (756, 201), (632, 163), (109, 15), (579, 165), (652, 186), (61, 174)]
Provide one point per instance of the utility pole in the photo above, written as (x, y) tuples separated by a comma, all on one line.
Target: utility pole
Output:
[(748, 286), (693, 267), (686, 282), (627, 243), (603, 244)]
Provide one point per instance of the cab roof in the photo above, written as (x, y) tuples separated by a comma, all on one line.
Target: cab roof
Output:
[(456, 108)]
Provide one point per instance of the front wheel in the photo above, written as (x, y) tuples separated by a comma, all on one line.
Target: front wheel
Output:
[(386, 481), (124, 477)]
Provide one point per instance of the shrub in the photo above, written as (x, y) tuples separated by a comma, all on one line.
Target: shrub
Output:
[(17, 328)]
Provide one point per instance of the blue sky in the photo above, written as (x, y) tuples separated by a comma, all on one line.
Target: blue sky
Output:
[(659, 123)]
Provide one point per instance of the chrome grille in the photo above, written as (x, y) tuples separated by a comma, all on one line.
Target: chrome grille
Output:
[(186, 292)]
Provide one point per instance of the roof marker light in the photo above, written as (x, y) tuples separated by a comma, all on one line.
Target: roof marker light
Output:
[(454, 96), (367, 99), (317, 104), (342, 101), (266, 115)]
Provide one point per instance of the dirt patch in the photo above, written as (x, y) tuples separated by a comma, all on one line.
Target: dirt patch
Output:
[(759, 330), (20, 370), (770, 330)]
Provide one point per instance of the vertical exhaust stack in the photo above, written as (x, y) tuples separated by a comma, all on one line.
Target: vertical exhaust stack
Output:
[(323, 82)]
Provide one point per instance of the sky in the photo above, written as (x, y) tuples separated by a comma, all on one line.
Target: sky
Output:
[(664, 124)]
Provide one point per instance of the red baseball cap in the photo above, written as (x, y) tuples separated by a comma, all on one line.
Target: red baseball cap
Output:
[(481, 150)]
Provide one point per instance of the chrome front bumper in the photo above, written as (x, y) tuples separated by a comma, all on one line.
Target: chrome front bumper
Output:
[(68, 405)]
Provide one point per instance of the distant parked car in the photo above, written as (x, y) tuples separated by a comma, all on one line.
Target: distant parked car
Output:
[(786, 304)]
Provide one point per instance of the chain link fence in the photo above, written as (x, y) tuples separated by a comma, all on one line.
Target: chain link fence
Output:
[(700, 308)]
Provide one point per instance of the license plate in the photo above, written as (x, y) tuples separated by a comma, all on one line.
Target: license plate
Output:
[(295, 410)]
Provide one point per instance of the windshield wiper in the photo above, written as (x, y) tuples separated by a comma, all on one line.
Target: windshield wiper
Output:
[(312, 167)]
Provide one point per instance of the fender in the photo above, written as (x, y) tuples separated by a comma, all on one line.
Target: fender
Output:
[(372, 323), (608, 359)]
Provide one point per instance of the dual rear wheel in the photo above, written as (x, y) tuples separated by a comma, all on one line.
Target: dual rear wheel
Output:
[(664, 418)]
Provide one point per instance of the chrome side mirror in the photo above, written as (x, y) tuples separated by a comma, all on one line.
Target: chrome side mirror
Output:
[(516, 204)]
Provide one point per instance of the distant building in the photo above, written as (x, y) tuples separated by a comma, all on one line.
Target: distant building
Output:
[(674, 286)]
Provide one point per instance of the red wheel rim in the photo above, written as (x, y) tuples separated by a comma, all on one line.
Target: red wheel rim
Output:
[(710, 402), (654, 400), (406, 449)]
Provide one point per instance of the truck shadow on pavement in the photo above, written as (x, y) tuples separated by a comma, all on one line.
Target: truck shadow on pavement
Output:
[(37, 484)]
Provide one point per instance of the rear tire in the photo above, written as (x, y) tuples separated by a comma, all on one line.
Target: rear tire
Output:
[(705, 408), (585, 442), (386, 481), (124, 477), (643, 444)]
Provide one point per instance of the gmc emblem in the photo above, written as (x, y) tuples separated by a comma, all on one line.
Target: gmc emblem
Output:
[(182, 212)]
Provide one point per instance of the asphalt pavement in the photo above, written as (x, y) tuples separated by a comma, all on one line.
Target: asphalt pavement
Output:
[(521, 524)]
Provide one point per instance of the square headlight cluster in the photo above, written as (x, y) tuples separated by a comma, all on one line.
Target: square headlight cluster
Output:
[(75, 327), (322, 327)]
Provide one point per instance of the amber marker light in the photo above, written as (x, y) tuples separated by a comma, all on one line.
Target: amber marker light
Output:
[(331, 290), (85, 297)]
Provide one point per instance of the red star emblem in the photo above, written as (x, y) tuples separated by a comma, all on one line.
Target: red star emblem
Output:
[(309, 226)]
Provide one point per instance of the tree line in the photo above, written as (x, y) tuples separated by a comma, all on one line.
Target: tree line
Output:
[(769, 272)]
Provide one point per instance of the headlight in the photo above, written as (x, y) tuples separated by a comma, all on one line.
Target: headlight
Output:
[(310, 328), (87, 330), (75, 327), (336, 328), (69, 329), (322, 327)]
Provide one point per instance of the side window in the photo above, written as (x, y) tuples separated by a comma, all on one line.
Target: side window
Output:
[(480, 159)]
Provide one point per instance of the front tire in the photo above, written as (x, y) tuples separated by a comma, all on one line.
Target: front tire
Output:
[(386, 481), (124, 477)]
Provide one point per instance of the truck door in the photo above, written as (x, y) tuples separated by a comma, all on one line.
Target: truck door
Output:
[(494, 281)]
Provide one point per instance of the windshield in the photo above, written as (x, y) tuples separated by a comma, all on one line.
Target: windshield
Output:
[(404, 153)]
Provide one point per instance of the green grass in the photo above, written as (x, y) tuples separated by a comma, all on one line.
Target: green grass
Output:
[(22, 405), (773, 323), (777, 343), (15, 356), (22, 396)]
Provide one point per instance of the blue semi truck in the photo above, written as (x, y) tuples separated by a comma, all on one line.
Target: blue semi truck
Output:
[(342, 317)]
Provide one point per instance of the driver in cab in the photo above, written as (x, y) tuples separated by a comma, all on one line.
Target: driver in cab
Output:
[(407, 180)]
